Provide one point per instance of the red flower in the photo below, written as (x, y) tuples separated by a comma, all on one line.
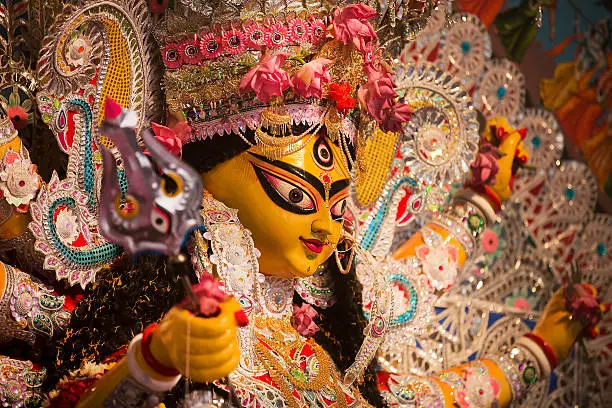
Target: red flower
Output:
[(339, 93), (18, 116), (209, 295), (158, 6)]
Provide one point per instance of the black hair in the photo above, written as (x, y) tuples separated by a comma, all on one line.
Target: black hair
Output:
[(134, 293)]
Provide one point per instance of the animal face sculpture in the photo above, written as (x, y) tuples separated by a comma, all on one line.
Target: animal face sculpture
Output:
[(146, 204)]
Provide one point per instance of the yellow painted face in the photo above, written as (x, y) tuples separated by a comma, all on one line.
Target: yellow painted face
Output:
[(293, 206)]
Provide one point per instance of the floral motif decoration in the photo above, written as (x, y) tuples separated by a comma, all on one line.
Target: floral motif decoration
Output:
[(303, 320), (20, 383), (19, 181), (474, 387), (439, 260)]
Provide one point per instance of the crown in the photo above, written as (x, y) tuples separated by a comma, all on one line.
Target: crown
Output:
[(267, 65)]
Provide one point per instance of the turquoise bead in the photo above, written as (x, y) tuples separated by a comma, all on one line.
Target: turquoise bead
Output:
[(536, 142), (570, 193), (501, 92), (465, 47), (601, 249)]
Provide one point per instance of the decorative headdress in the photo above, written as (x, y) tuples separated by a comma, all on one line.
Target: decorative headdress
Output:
[(266, 66)]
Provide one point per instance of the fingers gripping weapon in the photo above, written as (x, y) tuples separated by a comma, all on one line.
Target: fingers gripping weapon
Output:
[(144, 208)]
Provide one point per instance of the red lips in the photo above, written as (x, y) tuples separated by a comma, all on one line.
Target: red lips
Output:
[(314, 245)]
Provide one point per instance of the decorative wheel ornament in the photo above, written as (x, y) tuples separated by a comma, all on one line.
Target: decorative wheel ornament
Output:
[(465, 47), (595, 250), (501, 91), (544, 140), (572, 193), (442, 136), (77, 261)]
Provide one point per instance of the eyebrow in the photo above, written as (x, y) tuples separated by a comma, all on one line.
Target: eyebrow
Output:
[(335, 188)]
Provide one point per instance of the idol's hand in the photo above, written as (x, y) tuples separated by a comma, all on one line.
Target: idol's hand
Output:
[(213, 345), (501, 152), (511, 148), (557, 327)]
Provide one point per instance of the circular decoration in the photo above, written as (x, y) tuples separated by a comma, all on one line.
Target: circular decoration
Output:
[(78, 51), (18, 179), (573, 192), (443, 131), (501, 91), (595, 250), (544, 140), (466, 47), (67, 226)]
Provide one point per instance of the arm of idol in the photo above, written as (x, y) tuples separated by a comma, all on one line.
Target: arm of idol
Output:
[(203, 349), (461, 224), (19, 182), (501, 379)]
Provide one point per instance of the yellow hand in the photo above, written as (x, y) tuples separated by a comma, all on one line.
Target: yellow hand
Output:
[(509, 147), (213, 348), (556, 327)]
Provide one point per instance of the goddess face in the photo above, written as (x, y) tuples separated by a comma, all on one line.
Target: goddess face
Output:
[(293, 206)]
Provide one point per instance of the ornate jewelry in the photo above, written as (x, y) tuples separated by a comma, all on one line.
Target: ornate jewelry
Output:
[(412, 391), (19, 181), (317, 289), (29, 308), (20, 383)]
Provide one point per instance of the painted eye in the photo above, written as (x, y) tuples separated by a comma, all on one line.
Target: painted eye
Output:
[(286, 195), (160, 220), (338, 209), (322, 155)]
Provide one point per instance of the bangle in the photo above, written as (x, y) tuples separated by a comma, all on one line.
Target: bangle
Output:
[(537, 353), (548, 351), (140, 376), (150, 358), (476, 198)]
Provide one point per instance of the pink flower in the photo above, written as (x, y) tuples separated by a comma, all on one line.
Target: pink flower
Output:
[(172, 56), (18, 116), (267, 78), (171, 138), (233, 41), (210, 46), (351, 25), (190, 52), (309, 79), (396, 115), (300, 31), (276, 36), (378, 93), (209, 295), (489, 241), (582, 302), (318, 31), (303, 320), (485, 167), (254, 36)]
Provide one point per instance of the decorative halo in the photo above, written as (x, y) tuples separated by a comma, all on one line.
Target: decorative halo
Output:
[(573, 192), (501, 92), (465, 47), (441, 139), (544, 140)]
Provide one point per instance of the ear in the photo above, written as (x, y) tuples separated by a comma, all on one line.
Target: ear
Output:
[(422, 252), (453, 253)]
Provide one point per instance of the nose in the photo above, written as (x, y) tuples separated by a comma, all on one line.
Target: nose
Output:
[(322, 226)]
